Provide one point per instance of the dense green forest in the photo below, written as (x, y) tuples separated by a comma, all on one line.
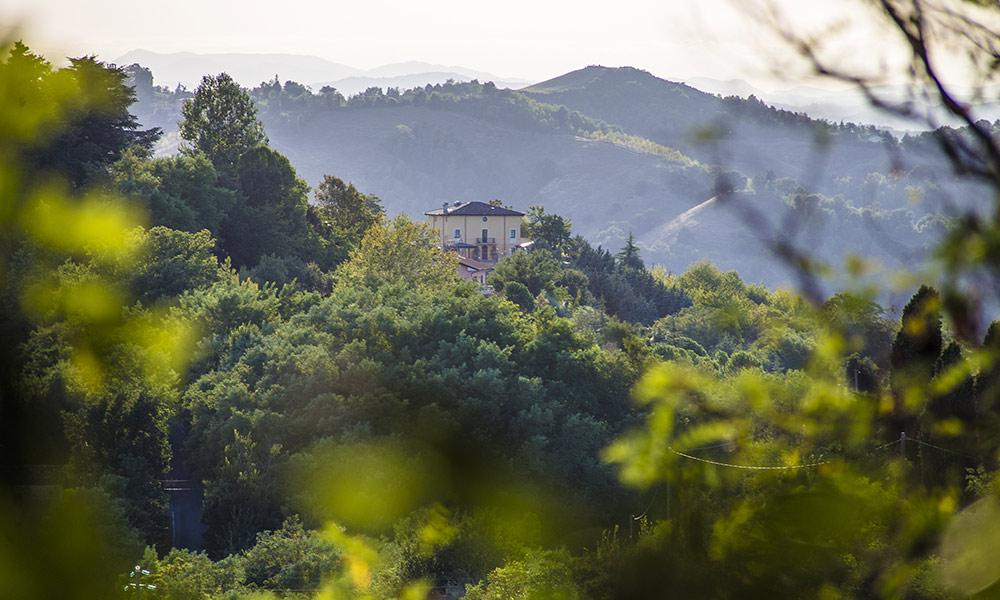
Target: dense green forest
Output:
[(619, 151), (364, 425)]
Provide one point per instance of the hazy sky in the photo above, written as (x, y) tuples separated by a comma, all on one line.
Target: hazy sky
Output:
[(528, 39)]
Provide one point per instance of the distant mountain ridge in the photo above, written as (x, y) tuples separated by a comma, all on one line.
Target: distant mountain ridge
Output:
[(187, 68), (620, 151), (745, 135), (845, 103), (354, 85)]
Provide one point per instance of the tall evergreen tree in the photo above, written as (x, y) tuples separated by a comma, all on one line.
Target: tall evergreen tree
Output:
[(918, 343), (629, 255), (913, 356), (988, 380), (97, 125)]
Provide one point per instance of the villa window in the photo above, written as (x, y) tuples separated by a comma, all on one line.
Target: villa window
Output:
[(458, 233), (513, 234)]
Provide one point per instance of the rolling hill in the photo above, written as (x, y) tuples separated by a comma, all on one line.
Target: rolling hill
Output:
[(600, 146), (742, 134)]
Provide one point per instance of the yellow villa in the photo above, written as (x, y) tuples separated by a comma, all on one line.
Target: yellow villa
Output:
[(477, 230), (480, 233)]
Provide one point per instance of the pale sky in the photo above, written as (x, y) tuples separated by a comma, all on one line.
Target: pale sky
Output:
[(527, 39)]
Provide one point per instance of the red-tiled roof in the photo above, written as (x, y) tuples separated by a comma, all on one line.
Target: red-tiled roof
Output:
[(475, 264), (475, 209)]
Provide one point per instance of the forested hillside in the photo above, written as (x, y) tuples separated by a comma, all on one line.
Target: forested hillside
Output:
[(618, 151), (419, 148), (361, 424)]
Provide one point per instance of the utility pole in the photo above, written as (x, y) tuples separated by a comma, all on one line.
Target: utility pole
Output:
[(668, 499), (900, 474)]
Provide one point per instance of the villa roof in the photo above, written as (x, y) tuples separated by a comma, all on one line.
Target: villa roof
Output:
[(475, 209), (475, 265)]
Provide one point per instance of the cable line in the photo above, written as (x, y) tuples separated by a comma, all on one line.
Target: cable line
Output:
[(940, 448), (886, 445), (648, 506), (729, 443), (748, 467)]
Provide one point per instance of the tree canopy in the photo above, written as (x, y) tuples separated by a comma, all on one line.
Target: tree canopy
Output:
[(385, 429), (341, 205), (221, 122), (94, 127)]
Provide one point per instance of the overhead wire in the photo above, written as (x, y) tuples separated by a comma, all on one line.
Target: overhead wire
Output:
[(727, 443), (648, 506), (887, 445), (748, 467), (799, 466), (922, 443)]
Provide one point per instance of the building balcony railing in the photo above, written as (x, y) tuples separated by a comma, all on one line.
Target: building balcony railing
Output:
[(482, 240)]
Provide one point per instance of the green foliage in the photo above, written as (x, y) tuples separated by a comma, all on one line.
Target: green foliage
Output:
[(914, 352), (742, 360), (722, 316), (864, 325), (221, 122), (247, 195), (91, 380), (241, 498), (423, 360), (536, 271), (270, 216), (93, 127), (629, 255), (230, 304), (988, 380), (547, 231), (117, 432), (114, 423), (862, 373), (173, 262), (271, 269), (477, 438), (575, 285), (181, 192), (519, 294), (399, 251), (182, 574), (631, 293), (289, 558), (75, 535), (808, 421), (340, 205), (543, 574)]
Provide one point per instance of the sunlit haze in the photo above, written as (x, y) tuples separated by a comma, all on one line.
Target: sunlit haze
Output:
[(519, 39)]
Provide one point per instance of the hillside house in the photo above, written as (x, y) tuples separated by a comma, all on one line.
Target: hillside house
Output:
[(477, 230), (481, 233)]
